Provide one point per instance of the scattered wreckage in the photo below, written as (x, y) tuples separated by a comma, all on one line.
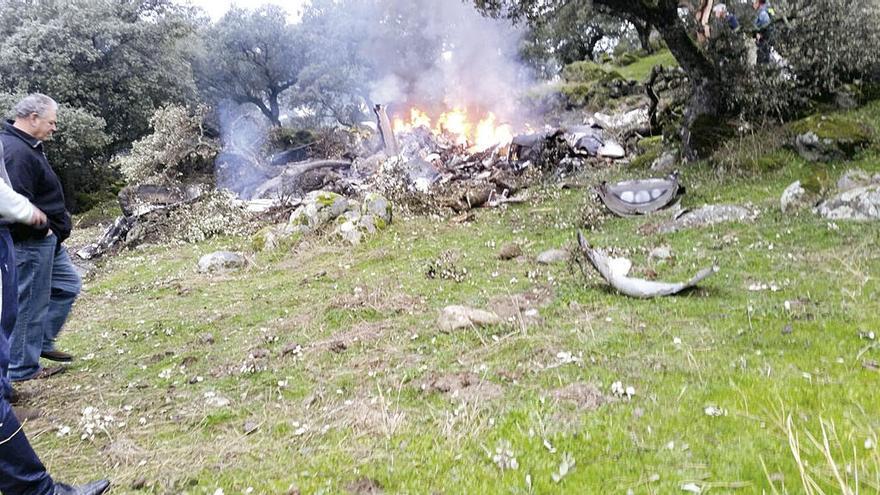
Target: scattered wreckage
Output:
[(420, 166), (641, 197), (615, 271)]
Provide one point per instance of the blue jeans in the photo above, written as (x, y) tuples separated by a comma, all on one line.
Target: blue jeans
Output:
[(20, 469), (47, 287)]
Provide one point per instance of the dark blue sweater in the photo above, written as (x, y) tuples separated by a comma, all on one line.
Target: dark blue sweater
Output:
[(32, 177)]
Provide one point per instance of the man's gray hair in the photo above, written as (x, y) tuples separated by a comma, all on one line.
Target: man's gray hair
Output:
[(37, 103)]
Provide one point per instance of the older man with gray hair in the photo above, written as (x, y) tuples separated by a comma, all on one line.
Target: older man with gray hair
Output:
[(48, 284)]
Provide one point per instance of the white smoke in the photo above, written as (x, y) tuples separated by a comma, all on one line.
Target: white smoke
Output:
[(448, 55)]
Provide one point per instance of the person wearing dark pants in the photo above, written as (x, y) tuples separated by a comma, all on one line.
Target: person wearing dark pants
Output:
[(47, 281), (763, 29), (21, 471)]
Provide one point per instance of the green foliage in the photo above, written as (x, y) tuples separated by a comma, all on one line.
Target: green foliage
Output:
[(177, 148), (755, 151), (117, 60), (250, 57)]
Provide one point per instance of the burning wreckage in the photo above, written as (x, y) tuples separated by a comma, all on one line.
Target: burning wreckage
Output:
[(452, 164), (422, 167)]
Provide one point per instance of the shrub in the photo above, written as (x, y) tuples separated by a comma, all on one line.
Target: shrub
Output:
[(176, 149)]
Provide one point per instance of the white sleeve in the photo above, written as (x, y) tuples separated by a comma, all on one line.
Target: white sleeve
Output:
[(13, 206)]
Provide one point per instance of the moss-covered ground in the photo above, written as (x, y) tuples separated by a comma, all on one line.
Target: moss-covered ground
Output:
[(305, 370)]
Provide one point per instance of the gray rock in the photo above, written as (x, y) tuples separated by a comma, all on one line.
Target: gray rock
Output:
[(318, 209), (665, 162), (660, 253), (862, 203), (457, 317), (815, 149), (796, 198), (708, 215), (611, 150), (221, 261), (855, 178), (377, 205), (553, 256)]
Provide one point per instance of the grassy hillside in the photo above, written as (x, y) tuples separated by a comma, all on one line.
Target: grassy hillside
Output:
[(640, 70), (322, 370)]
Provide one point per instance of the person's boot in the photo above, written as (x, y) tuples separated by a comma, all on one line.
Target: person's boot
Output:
[(93, 488)]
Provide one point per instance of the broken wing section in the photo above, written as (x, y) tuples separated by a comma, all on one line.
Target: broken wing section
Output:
[(635, 287)]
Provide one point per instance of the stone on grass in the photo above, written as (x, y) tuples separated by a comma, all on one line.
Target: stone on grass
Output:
[(457, 317), (855, 178), (510, 251), (708, 215), (552, 256), (318, 209), (861, 203), (377, 205), (660, 253), (825, 138), (665, 162), (796, 197), (221, 261), (611, 150)]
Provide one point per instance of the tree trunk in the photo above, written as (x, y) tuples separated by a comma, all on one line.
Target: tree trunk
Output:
[(704, 101), (644, 32)]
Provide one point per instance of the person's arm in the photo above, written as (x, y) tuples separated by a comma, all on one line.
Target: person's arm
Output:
[(14, 206)]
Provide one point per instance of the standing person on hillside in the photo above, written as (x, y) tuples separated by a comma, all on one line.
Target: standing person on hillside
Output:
[(726, 16), (21, 471), (47, 281), (763, 29)]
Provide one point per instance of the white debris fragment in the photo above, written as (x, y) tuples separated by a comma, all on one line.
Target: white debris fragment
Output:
[(618, 390), (567, 358), (691, 488), (714, 411), (869, 443), (504, 457)]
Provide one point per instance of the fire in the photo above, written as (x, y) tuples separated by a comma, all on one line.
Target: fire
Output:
[(487, 132)]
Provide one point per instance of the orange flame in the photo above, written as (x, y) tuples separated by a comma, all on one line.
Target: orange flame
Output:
[(487, 132)]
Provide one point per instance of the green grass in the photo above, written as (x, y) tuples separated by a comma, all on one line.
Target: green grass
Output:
[(641, 68), (192, 416)]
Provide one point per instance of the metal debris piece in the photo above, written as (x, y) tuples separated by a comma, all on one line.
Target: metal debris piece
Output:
[(640, 197), (615, 270), (385, 130)]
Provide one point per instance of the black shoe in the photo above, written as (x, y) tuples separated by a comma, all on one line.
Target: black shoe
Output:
[(55, 355), (93, 488)]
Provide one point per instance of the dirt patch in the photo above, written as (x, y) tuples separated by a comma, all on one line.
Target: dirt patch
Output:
[(365, 486), (585, 396), (522, 309), (376, 415), (463, 386), (124, 451), (360, 333), (382, 301)]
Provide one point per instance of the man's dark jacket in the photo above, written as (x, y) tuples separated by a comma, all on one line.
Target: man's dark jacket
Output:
[(32, 177)]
